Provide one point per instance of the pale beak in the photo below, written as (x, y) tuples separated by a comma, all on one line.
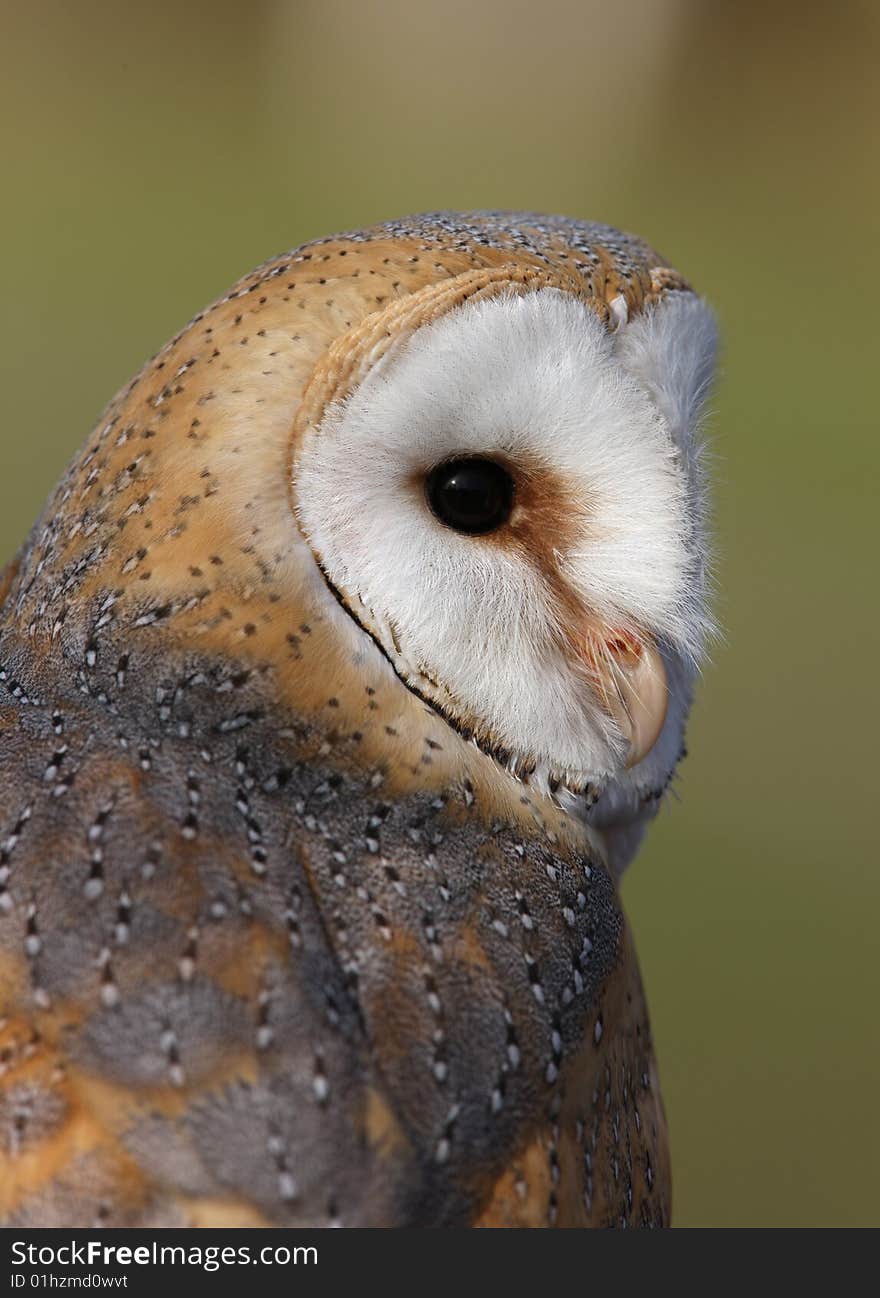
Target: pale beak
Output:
[(631, 682)]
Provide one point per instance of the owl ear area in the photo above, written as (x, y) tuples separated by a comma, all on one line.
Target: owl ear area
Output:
[(629, 678), (354, 353)]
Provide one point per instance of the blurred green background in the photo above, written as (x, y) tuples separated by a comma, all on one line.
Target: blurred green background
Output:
[(152, 153)]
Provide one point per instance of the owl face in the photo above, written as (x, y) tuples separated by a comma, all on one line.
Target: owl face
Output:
[(506, 496)]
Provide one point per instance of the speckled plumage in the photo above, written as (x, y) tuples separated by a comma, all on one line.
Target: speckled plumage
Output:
[(278, 945)]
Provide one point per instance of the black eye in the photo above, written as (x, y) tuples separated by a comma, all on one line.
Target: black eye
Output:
[(471, 495)]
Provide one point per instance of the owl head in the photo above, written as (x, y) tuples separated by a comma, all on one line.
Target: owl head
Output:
[(442, 474), (500, 480)]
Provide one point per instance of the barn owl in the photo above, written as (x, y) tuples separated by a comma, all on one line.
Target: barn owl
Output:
[(338, 682)]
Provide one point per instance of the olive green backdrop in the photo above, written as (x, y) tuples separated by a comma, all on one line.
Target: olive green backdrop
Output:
[(152, 153)]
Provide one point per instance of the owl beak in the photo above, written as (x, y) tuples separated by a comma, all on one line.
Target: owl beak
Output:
[(630, 679)]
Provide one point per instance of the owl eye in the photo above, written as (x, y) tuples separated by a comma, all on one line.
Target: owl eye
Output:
[(471, 495)]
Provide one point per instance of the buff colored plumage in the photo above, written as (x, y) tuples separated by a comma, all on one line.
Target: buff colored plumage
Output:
[(278, 943)]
